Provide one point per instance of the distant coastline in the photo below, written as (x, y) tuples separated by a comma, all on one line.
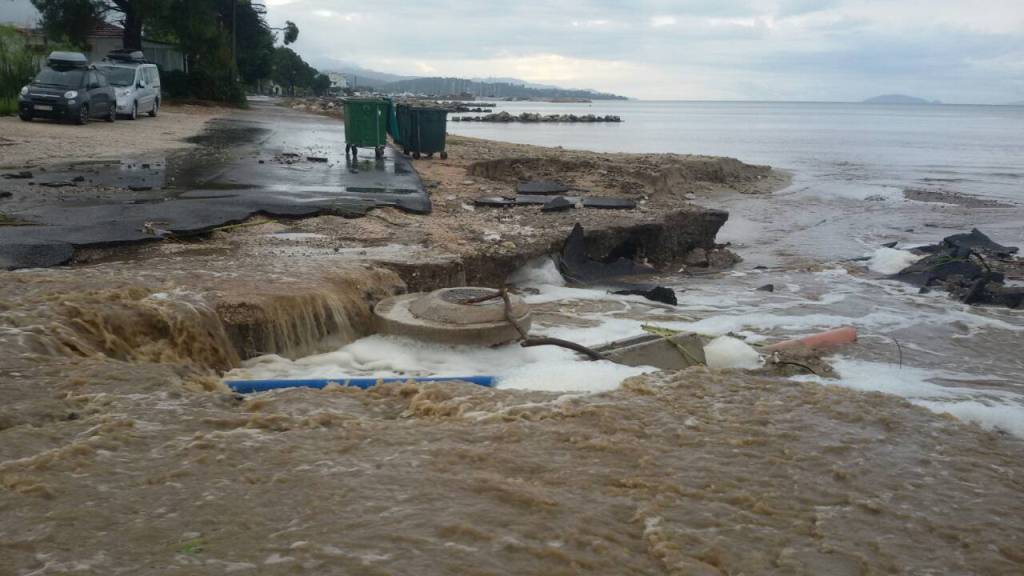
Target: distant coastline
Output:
[(898, 99)]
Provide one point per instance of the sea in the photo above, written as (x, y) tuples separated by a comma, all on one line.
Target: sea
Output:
[(862, 176)]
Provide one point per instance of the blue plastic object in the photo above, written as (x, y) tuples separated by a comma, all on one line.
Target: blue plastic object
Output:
[(250, 386)]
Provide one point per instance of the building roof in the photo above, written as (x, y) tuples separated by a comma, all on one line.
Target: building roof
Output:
[(106, 30)]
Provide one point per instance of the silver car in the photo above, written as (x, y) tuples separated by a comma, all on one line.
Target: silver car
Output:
[(136, 87)]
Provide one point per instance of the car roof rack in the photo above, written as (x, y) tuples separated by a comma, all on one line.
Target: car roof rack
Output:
[(126, 55), (67, 60)]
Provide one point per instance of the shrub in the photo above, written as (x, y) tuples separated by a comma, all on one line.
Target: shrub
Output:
[(202, 85), (174, 84), (17, 66)]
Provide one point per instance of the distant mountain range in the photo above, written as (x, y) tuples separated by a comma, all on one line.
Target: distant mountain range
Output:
[(493, 80), (899, 99), (355, 74), (359, 77), (453, 86)]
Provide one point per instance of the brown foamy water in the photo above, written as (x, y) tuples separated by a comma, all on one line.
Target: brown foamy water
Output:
[(120, 451)]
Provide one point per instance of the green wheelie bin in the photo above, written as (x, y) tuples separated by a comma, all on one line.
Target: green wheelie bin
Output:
[(366, 125), (423, 130)]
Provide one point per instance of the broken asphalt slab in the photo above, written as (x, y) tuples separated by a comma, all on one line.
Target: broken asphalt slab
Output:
[(595, 202), (541, 187), (230, 188)]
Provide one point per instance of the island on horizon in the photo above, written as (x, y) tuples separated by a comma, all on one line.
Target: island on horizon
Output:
[(898, 99)]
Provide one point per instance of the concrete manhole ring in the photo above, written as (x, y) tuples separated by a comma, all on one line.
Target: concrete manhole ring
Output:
[(444, 316)]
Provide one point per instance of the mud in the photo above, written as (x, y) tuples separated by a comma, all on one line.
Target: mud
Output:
[(693, 473)]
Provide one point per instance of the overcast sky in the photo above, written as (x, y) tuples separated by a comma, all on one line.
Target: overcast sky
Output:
[(952, 50)]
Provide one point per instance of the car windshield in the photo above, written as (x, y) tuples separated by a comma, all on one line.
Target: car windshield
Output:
[(69, 78), (119, 76)]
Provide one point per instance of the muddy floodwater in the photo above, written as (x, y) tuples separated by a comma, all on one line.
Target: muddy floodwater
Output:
[(122, 451)]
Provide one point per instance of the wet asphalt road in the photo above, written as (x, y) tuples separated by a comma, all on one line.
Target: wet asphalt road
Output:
[(267, 160)]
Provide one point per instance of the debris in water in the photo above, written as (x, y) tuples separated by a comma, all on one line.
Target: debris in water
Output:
[(661, 348), (251, 386), (824, 341), (766, 288), (656, 294), (576, 266), (464, 315), (971, 267), (24, 174)]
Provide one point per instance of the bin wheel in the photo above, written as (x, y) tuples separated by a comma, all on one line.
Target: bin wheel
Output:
[(405, 151), (431, 155), (379, 152), (444, 155), (355, 153), (416, 155)]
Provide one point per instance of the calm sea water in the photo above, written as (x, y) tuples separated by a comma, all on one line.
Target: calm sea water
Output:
[(840, 156), (978, 146)]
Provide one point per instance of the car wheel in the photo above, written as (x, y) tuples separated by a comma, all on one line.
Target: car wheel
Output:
[(83, 114), (25, 117), (111, 113), (156, 108), (135, 112)]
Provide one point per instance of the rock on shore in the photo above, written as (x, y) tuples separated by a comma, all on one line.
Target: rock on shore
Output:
[(534, 118)]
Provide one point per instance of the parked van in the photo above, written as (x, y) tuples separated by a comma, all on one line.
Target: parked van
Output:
[(136, 83), (67, 88)]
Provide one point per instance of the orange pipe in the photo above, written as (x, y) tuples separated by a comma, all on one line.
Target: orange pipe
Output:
[(825, 340)]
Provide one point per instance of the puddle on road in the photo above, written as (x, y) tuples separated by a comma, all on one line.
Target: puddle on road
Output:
[(221, 162)]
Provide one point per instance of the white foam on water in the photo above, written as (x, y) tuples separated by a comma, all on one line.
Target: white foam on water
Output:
[(555, 293), (536, 368), (538, 272), (989, 416), (726, 352), (991, 409), (570, 375), (891, 260)]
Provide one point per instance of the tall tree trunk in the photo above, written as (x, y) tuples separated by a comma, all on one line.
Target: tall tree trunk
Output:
[(132, 29)]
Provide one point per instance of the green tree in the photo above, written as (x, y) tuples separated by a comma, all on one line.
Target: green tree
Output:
[(291, 70), (254, 46), (321, 84), (291, 32), (68, 20), (74, 19)]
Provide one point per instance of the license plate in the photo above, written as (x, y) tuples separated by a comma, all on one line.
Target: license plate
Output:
[(44, 107)]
